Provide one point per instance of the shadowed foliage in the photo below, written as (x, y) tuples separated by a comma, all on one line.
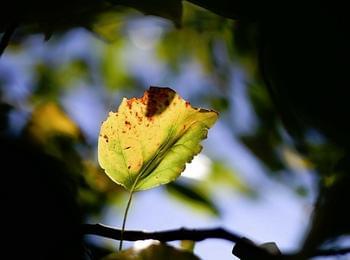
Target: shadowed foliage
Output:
[(295, 58)]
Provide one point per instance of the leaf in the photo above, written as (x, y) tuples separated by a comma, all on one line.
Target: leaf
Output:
[(150, 139), (224, 175), (153, 252), (193, 197), (187, 245), (49, 120)]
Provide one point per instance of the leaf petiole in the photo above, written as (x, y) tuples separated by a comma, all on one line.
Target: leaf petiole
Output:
[(124, 220)]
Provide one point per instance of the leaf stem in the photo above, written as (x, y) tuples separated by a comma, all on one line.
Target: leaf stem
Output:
[(124, 220)]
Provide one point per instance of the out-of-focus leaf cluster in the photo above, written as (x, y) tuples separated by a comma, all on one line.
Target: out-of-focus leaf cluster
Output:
[(214, 44), (199, 193), (48, 18)]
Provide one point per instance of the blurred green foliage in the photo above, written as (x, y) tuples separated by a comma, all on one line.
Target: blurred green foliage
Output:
[(214, 43)]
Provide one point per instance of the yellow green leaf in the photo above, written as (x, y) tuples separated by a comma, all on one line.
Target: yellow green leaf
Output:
[(148, 141)]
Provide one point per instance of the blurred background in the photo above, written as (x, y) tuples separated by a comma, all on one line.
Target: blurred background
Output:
[(249, 177)]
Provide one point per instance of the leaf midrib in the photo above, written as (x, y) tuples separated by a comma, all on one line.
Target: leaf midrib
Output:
[(159, 156)]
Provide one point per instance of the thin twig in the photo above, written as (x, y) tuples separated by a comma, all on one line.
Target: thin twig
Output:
[(5, 39)]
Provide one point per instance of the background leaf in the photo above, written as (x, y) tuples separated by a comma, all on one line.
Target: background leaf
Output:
[(153, 252), (189, 195)]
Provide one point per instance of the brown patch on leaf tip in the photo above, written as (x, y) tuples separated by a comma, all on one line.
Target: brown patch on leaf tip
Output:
[(157, 99)]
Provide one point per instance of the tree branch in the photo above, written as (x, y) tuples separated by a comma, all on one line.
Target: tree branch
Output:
[(245, 245), (332, 252), (163, 236)]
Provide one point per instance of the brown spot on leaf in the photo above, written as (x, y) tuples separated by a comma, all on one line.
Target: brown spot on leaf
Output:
[(129, 167), (157, 100), (106, 138), (126, 148), (187, 104), (139, 118), (129, 102)]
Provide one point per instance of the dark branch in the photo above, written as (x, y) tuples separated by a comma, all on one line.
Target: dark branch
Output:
[(5, 39), (163, 236), (244, 244), (332, 252)]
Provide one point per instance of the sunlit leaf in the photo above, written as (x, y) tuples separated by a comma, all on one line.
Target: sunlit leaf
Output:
[(153, 252), (150, 139)]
